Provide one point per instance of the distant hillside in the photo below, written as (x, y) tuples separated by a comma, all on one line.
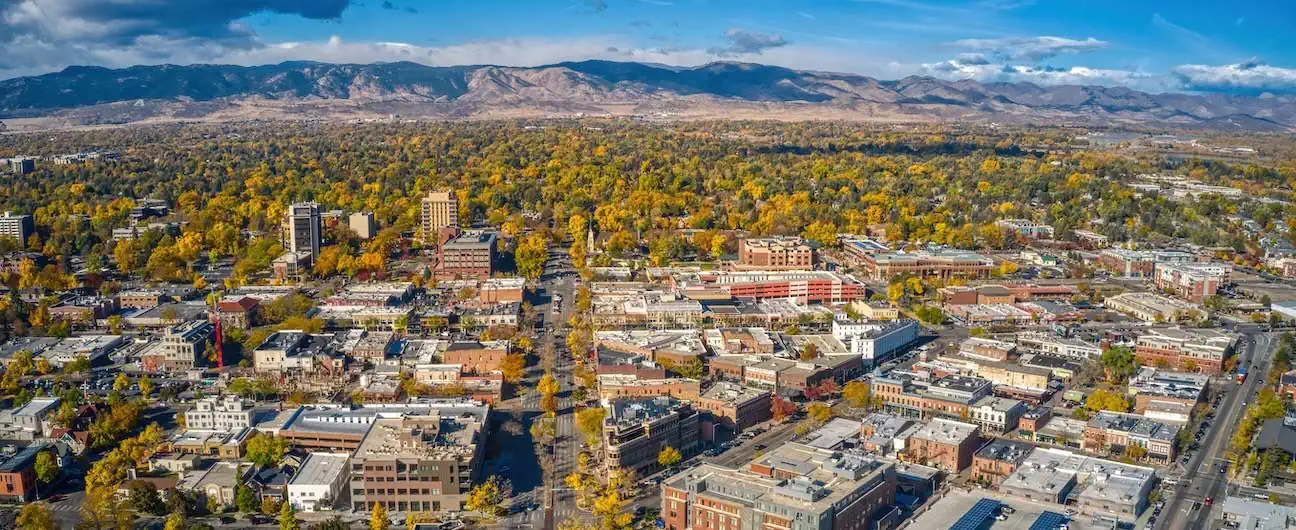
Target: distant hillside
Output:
[(98, 95)]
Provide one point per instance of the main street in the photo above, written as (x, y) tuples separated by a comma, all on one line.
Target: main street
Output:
[(1203, 479)]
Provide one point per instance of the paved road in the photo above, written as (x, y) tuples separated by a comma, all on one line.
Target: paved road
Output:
[(1203, 478)]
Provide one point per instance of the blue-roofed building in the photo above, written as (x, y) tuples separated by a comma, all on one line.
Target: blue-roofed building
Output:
[(1049, 521)]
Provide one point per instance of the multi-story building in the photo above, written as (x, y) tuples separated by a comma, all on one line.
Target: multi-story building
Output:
[(942, 264), (996, 414), (625, 386), (20, 165), (238, 313), (1191, 281), (294, 350), (948, 397), (1186, 349), (733, 341), (16, 227), (477, 357), (302, 231), (944, 444), (419, 462), (794, 486), (440, 210), (775, 253), (18, 475), (1034, 341), (319, 482), (636, 431), (362, 223), (734, 406), (1139, 263), (141, 299), (804, 286), (1114, 431), (875, 341), (182, 347), (1026, 228), (994, 461), (229, 413), (470, 255)]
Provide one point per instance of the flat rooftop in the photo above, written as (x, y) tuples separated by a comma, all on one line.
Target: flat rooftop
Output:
[(321, 468)]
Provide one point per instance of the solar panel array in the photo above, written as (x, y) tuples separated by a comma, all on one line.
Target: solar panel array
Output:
[(976, 517), (1049, 521)]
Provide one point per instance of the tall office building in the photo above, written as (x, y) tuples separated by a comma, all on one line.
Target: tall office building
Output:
[(19, 227), (302, 229), (440, 210), (362, 223)]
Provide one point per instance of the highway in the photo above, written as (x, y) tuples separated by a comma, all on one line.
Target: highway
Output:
[(1203, 478)]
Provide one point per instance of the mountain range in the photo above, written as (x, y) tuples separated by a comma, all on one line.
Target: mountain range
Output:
[(86, 95)]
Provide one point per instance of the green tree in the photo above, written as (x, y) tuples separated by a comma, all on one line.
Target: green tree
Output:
[(144, 498), (175, 521), (1119, 364), (245, 499), (819, 412), (669, 456), (857, 394), (288, 518), (530, 256), (35, 516), (121, 383), (47, 468), (266, 450)]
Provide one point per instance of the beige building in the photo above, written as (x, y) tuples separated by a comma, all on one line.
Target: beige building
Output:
[(775, 253), (440, 210)]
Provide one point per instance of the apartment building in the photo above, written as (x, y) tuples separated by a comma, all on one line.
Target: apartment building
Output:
[(775, 253), (228, 413), (440, 210), (1191, 281), (17, 227), (794, 486), (1185, 349), (419, 461), (1139, 263), (302, 231), (636, 430)]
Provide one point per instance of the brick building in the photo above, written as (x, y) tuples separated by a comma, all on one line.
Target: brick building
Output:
[(775, 253)]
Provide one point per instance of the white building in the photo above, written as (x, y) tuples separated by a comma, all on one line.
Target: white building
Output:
[(875, 341), (318, 482), (1035, 341), (219, 414)]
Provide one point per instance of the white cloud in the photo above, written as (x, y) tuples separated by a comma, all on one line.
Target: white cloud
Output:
[(1043, 75), (1250, 76), (1031, 48)]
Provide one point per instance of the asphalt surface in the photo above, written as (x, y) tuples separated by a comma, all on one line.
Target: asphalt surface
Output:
[(1203, 478)]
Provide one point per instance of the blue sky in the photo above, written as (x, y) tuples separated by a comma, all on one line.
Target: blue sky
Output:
[(1159, 45)]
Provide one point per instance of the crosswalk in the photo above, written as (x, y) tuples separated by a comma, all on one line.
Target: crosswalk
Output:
[(63, 506)]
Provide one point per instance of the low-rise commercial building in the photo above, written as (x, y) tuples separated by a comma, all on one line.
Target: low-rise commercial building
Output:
[(996, 414), (319, 482), (1185, 349), (228, 413), (1034, 341), (734, 406), (941, 263), (989, 349), (1114, 432), (994, 461), (793, 486), (1026, 228), (875, 341), (1097, 487), (944, 444), (1151, 307)]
